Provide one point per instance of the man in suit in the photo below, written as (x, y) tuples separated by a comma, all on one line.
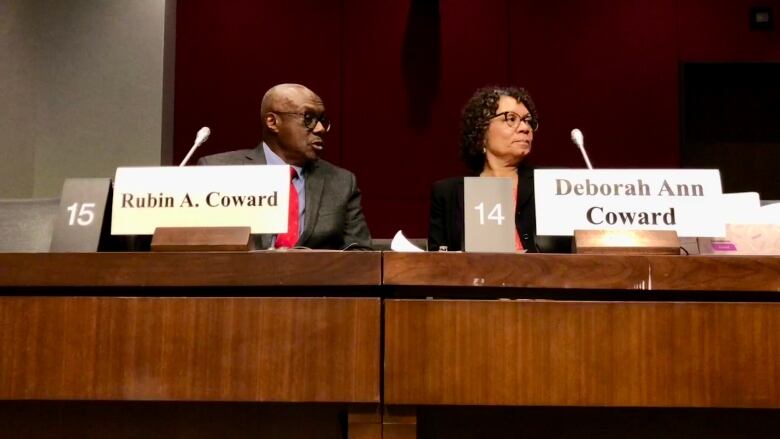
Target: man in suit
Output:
[(328, 199)]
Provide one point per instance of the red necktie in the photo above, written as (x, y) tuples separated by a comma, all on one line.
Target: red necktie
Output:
[(291, 237), (518, 241)]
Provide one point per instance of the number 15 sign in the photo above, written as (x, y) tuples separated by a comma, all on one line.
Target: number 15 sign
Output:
[(489, 214), (79, 221)]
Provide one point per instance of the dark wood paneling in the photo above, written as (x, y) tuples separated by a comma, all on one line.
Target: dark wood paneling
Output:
[(624, 56), (582, 353), (609, 272), (595, 422), (202, 349), (191, 269), (229, 54), (395, 74), (715, 273), (365, 423), (408, 68), (510, 270), (744, 166), (182, 420)]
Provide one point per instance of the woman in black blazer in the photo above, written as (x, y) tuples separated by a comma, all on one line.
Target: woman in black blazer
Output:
[(497, 131)]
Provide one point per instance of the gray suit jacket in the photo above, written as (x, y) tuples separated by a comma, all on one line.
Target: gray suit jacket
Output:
[(333, 217)]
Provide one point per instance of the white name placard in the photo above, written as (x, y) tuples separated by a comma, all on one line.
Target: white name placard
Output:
[(200, 196), (684, 200)]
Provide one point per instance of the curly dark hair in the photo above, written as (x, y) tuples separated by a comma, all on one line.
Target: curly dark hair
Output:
[(476, 115)]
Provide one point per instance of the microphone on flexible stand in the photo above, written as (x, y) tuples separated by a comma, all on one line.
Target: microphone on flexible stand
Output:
[(579, 140), (200, 139)]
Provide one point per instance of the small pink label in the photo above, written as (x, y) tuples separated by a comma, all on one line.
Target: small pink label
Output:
[(724, 247)]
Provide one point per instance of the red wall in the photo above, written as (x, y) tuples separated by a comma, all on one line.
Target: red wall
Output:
[(395, 74)]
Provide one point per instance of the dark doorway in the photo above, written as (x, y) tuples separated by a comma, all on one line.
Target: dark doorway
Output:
[(730, 120)]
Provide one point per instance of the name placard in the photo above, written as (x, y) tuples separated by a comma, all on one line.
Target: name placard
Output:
[(684, 200), (205, 196)]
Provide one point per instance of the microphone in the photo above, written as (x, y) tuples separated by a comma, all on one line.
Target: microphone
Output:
[(200, 139), (579, 140)]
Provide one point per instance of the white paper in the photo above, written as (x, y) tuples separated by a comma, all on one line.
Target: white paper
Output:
[(401, 244), (770, 214), (741, 208)]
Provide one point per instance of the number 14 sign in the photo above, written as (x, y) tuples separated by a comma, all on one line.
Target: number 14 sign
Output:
[(489, 214)]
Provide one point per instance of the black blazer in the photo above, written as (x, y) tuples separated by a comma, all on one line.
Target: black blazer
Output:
[(446, 223)]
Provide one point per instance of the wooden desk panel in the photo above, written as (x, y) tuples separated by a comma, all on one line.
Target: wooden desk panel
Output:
[(716, 273), (476, 367), (591, 272), (275, 268), (197, 349), (162, 420), (642, 354)]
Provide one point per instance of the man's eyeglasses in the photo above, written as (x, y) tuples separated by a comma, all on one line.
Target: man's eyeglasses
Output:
[(310, 119), (513, 120)]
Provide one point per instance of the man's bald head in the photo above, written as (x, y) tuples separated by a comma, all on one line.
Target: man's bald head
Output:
[(294, 122), (286, 97)]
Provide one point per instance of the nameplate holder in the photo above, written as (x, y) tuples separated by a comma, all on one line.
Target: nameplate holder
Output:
[(200, 239), (626, 242)]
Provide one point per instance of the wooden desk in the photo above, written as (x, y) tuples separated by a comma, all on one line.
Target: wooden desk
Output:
[(187, 345), (177, 336), (579, 331)]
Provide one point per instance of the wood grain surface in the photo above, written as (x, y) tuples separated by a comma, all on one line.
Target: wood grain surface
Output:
[(194, 349), (595, 422), (641, 354), (604, 272), (163, 420), (268, 268)]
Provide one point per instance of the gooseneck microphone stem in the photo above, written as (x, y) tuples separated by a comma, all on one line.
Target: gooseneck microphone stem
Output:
[(200, 139), (579, 140)]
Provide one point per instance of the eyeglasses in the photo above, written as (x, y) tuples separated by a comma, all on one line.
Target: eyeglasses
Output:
[(310, 120), (513, 120)]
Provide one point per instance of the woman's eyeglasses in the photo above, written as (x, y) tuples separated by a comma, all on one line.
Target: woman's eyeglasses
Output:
[(513, 120)]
